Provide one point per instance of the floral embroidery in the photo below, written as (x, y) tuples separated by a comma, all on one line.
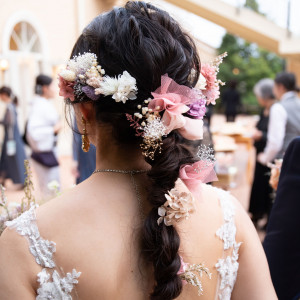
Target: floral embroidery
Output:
[(41, 249), (59, 288), (51, 286), (227, 267)]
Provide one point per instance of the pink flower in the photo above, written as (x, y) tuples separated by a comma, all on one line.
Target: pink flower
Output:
[(171, 104), (212, 87), (66, 88), (173, 99)]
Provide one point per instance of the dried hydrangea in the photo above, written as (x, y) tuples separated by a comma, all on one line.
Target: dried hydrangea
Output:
[(82, 63)]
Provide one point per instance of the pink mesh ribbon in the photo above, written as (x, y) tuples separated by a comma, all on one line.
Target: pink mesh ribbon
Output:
[(193, 175), (173, 99)]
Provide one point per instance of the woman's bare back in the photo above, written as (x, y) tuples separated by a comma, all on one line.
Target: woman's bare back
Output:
[(96, 228)]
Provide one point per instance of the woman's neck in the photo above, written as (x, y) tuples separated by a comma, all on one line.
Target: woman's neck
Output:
[(111, 155)]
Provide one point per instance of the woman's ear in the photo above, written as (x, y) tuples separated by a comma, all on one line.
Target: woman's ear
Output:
[(87, 111)]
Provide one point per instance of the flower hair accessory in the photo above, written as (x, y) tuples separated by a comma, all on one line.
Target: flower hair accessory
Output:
[(190, 273), (84, 78), (179, 205), (177, 107), (208, 84)]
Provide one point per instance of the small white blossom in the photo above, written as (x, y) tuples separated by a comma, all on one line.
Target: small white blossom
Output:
[(53, 185), (68, 75), (201, 84)]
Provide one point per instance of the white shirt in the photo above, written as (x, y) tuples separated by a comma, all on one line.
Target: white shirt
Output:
[(276, 131), (40, 127)]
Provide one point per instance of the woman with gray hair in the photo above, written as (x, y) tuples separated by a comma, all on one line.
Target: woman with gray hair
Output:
[(260, 199)]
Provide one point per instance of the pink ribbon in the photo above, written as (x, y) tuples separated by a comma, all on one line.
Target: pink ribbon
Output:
[(193, 175), (172, 98)]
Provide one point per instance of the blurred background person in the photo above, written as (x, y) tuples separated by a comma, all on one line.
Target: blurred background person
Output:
[(231, 101), (13, 154), (282, 242), (284, 124), (42, 129), (84, 163), (260, 199)]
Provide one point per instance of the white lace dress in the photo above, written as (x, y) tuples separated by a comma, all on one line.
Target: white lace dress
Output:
[(54, 286)]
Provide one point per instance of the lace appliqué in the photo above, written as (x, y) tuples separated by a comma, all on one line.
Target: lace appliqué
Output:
[(41, 249), (227, 231), (59, 288), (52, 286), (227, 267)]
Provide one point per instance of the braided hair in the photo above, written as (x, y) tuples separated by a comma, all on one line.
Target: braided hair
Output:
[(148, 43)]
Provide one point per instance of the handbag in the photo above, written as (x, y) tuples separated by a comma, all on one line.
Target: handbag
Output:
[(11, 147), (46, 158)]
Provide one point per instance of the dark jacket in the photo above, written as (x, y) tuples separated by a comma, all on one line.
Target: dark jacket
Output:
[(282, 242)]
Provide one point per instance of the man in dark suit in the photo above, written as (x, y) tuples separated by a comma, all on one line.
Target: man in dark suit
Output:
[(282, 242)]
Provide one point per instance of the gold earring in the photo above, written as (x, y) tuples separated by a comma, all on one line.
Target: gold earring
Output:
[(85, 145)]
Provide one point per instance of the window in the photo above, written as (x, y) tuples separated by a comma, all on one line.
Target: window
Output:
[(24, 38)]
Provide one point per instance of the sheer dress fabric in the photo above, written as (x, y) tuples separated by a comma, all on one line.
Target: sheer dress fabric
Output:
[(55, 284)]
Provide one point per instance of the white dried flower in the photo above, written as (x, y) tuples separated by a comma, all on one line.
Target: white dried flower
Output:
[(201, 84), (81, 63), (121, 88), (154, 129), (94, 82), (68, 75), (144, 110)]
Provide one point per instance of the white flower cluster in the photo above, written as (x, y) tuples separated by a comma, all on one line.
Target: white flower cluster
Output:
[(82, 63), (121, 88), (85, 67), (154, 129), (85, 70)]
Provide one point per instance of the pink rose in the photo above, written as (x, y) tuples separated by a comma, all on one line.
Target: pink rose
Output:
[(66, 88)]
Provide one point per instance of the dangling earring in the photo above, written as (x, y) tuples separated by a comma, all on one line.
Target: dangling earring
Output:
[(85, 145)]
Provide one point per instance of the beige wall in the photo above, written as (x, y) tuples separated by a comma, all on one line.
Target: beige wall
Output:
[(58, 23)]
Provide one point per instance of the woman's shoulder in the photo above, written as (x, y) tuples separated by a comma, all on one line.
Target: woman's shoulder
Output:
[(222, 202)]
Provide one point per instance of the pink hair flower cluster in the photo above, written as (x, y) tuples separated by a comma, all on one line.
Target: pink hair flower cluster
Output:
[(66, 88), (208, 83)]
